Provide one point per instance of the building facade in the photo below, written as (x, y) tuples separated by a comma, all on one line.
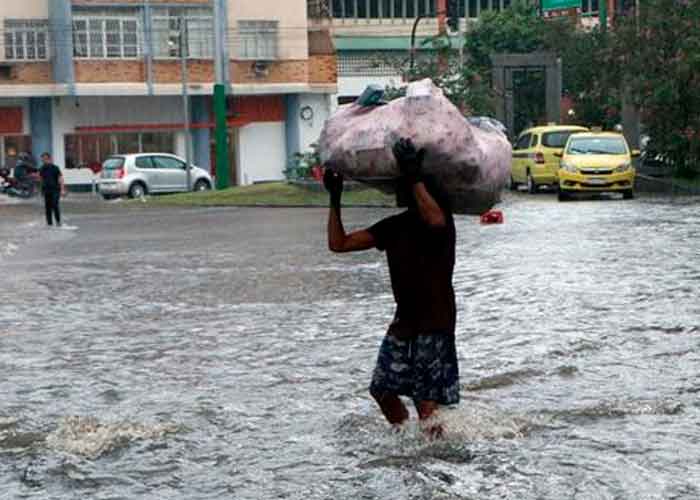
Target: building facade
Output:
[(85, 79), (373, 37)]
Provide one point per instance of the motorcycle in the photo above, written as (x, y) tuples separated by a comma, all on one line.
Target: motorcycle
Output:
[(25, 188)]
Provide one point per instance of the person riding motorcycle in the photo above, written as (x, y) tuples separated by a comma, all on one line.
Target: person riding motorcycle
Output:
[(24, 168), (24, 179)]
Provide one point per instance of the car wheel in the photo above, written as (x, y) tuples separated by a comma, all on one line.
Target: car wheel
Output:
[(202, 185), (563, 195), (513, 185), (137, 190), (628, 194), (531, 186)]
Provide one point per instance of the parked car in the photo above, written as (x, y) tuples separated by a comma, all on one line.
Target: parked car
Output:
[(534, 155), (597, 162), (138, 174), (488, 123), (655, 164)]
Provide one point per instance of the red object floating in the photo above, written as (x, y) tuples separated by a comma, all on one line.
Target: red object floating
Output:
[(317, 172), (492, 217)]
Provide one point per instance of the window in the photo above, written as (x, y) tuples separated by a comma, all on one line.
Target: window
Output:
[(350, 8), (597, 146), (388, 9), (556, 139), (473, 9), (533, 143), (26, 39), (143, 162), (11, 146), (365, 63), (523, 142), (98, 36), (589, 6), (167, 162), (113, 163), (258, 39), (384, 9), (128, 143), (172, 24), (157, 142), (361, 9), (84, 150)]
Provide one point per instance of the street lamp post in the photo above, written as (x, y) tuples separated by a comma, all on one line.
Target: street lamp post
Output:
[(185, 100), (442, 30), (413, 44)]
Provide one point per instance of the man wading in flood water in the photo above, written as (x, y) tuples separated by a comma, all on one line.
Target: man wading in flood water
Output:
[(53, 188), (417, 357)]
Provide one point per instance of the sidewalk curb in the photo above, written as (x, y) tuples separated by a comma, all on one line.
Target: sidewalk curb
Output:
[(648, 184)]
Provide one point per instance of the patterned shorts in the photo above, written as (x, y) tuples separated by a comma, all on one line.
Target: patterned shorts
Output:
[(424, 369)]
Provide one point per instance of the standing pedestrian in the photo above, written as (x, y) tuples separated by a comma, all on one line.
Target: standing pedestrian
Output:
[(417, 357), (53, 188)]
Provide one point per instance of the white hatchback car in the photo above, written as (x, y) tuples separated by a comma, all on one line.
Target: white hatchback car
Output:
[(139, 174)]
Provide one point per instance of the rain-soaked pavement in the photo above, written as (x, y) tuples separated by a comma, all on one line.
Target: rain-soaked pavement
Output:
[(224, 353)]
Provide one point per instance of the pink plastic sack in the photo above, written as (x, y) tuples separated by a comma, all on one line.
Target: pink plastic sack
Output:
[(471, 164)]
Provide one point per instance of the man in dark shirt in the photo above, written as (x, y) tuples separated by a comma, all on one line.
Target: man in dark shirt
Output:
[(53, 188), (417, 357)]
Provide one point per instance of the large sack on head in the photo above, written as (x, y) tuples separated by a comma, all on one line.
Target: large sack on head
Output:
[(470, 164)]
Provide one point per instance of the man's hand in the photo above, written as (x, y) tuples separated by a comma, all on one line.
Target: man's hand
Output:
[(409, 159), (333, 182)]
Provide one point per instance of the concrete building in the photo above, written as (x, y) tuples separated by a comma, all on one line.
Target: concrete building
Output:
[(372, 37), (88, 78)]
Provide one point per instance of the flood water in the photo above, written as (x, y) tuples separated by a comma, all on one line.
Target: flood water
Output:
[(224, 353)]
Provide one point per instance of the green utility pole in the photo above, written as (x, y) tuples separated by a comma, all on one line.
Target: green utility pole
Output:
[(223, 180), (603, 15)]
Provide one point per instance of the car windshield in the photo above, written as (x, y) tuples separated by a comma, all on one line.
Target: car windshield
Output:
[(114, 163), (596, 146), (557, 139)]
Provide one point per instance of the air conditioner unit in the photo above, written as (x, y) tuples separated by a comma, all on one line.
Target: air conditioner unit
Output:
[(6, 71), (260, 68)]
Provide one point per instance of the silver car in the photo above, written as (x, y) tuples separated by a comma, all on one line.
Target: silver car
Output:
[(139, 174)]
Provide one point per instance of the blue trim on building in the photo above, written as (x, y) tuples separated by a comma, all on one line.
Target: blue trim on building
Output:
[(147, 45), (61, 22), (292, 103), (41, 125), (201, 137)]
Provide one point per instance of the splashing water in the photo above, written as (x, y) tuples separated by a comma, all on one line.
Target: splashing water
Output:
[(577, 341), (88, 437)]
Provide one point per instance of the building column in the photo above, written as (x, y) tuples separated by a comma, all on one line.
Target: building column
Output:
[(553, 76), (41, 125), (61, 38), (292, 126), (201, 137)]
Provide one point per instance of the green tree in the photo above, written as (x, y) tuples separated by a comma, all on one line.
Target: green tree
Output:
[(587, 78), (588, 75), (659, 54), (462, 83), (518, 30), (521, 30)]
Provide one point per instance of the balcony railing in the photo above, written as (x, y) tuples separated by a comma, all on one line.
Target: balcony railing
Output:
[(372, 11)]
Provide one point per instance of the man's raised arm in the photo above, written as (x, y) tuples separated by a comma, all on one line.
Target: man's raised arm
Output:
[(410, 164), (338, 239)]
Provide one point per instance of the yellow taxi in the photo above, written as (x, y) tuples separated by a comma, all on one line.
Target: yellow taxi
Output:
[(597, 162), (534, 155)]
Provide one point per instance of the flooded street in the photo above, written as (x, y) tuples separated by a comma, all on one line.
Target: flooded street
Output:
[(225, 353)]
